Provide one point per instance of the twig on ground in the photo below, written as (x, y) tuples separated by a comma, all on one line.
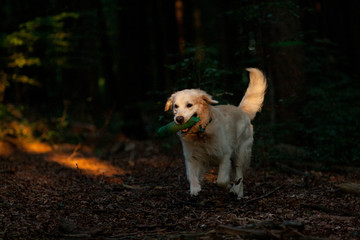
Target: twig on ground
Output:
[(130, 187), (263, 196), (247, 219), (79, 170), (78, 235), (170, 235), (338, 211), (243, 232), (267, 230), (190, 235), (76, 149)]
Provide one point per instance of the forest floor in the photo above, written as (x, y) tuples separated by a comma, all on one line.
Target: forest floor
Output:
[(140, 192)]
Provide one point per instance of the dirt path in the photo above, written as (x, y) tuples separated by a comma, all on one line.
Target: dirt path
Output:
[(66, 192)]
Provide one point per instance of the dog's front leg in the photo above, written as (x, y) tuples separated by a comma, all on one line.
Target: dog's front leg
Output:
[(193, 168)]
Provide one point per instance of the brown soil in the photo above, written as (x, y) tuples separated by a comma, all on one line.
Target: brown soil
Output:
[(139, 191)]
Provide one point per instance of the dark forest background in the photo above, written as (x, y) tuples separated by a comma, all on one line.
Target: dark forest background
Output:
[(81, 70)]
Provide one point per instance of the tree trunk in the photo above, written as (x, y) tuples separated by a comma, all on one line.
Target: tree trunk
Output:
[(108, 47), (284, 59)]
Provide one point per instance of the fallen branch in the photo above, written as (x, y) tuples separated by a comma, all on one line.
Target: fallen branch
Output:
[(78, 235), (267, 230), (130, 187), (169, 235), (350, 187), (263, 196), (273, 225), (191, 235), (338, 212), (247, 232), (75, 151)]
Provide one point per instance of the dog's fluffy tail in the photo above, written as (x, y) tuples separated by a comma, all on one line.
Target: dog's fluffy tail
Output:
[(254, 95)]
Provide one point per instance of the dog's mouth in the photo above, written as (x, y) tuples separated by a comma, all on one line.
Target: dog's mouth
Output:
[(186, 130)]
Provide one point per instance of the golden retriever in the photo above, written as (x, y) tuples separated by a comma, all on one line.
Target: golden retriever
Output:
[(223, 136)]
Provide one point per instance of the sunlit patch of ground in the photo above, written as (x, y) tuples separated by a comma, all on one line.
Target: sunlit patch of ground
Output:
[(28, 145), (87, 165), (36, 147)]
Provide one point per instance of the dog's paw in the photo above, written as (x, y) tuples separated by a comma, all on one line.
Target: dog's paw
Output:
[(223, 182), (234, 190), (238, 190), (194, 190), (240, 195)]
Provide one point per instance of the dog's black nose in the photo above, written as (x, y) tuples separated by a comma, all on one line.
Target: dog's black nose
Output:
[(179, 119)]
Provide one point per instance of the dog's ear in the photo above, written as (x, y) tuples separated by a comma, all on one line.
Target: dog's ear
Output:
[(207, 98), (168, 105)]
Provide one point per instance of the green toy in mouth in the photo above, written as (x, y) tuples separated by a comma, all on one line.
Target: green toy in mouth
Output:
[(172, 128)]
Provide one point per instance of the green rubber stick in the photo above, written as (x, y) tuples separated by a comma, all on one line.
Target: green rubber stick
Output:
[(172, 127)]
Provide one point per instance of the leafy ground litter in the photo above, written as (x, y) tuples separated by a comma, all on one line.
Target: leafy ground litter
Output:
[(137, 191)]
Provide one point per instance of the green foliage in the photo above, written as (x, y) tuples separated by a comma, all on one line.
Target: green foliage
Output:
[(38, 43), (49, 30), (12, 122)]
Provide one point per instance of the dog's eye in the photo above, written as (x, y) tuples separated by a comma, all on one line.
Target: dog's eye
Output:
[(176, 106), (189, 105)]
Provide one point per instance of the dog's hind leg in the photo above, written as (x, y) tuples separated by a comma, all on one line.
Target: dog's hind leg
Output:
[(238, 187), (241, 163)]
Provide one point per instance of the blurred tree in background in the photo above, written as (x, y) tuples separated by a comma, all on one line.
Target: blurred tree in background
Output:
[(110, 65)]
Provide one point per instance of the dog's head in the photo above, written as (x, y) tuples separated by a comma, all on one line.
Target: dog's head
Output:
[(188, 103)]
